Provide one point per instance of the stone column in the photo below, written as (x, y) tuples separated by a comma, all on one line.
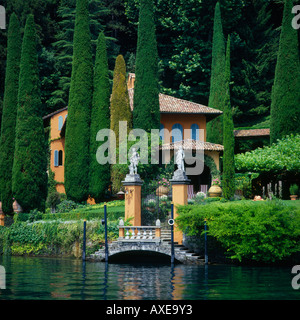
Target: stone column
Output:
[(133, 189), (1, 215), (2, 219), (179, 184)]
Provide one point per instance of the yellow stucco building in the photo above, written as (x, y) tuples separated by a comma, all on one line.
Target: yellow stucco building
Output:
[(174, 114)]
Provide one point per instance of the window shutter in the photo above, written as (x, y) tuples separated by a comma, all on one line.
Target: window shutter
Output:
[(60, 122), (161, 132), (55, 158), (195, 131)]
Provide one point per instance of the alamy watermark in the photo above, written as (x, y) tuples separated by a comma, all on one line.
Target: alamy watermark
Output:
[(2, 278), (106, 153), (2, 18), (296, 19), (296, 279)]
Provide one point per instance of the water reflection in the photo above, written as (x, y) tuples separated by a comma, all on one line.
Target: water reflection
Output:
[(45, 278)]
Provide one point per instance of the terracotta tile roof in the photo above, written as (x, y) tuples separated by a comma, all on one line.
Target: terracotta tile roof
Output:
[(54, 113), (190, 144), (169, 104), (251, 133)]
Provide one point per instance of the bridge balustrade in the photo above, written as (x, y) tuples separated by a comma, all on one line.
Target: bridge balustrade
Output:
[(142, 233)]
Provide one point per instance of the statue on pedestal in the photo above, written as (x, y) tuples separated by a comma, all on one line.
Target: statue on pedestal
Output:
[(133, 176), (180, 159), (179, 174), (134, 161)]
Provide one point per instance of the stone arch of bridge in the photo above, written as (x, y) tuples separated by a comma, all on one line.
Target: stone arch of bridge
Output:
[(142, 256)]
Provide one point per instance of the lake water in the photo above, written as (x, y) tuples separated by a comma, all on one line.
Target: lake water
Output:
[(55, 278)]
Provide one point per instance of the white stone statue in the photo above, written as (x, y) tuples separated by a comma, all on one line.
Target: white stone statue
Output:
[(134, 161), (180, 159)]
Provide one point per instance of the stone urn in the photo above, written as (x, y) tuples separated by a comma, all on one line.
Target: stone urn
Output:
[(162, 191), (16, 207), (215, 191)]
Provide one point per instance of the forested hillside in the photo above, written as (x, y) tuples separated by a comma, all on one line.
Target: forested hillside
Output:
[(184, 38)]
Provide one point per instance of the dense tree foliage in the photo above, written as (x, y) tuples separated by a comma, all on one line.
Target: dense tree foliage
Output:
[(283, 156), (9, 116), (146, 114), (79, 109), (119, 105), (285, 110), (29, 176), (100, 119), (228, 182), (217, 83), (184, 31)]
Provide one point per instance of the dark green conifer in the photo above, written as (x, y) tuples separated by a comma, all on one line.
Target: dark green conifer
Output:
[(100, 119), (228, 181), (29, 176), (9, 115), (77, 156), (285, 110), (146, 113), (217, 89)]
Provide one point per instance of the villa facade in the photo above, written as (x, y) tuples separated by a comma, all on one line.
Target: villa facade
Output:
[(175, 114)]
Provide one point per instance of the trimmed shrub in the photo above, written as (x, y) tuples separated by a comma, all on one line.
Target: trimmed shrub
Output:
[(258, 231)]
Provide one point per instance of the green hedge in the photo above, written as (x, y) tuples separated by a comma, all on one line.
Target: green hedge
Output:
[(264, 231), (88, 213)]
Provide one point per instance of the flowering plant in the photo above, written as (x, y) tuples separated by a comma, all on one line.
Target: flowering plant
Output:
[(164, 182), (163, 198), (201, 195), (151, 203), (216, 182)]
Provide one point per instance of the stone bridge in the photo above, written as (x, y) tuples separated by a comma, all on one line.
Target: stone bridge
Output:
[(145, 244)]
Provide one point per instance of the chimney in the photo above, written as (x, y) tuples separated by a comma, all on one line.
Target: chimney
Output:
[(130, 82)]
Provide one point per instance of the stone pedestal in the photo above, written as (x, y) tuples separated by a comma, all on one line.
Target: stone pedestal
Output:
[(133, 188), (179, 184)]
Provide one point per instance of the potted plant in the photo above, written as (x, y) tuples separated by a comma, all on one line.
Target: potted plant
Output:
[(294, 189), (215, 189), (151, 204), (164, 187), (163, 199)]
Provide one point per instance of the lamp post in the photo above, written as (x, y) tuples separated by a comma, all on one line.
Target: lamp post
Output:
[(171, 223), (84, 240), (105, 232)]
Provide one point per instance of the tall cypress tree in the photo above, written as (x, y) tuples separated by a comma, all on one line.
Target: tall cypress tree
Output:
[(285, 111), (146, 113), (77, 156), (217, 89), (119, 105), (9, 115), (29, 175), (100, 119), (228, 137)]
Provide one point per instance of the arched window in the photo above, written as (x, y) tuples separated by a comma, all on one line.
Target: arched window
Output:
[(161, 132), (60, 122), (177, 132), (195, 131), (60, 158)]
